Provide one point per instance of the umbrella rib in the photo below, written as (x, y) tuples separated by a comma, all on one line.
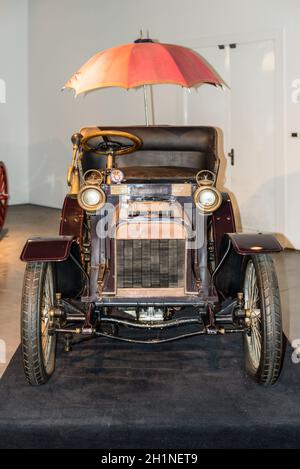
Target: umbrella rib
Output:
[(205, 62), (176, 65)]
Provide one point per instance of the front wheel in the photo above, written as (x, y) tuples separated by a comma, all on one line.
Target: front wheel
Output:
[(263, 340), (38, 343)]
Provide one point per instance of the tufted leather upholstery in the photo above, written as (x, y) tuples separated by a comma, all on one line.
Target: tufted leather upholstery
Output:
[(167, 152)]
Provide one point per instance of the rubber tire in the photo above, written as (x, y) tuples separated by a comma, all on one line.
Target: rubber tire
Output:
[(36, 371), (272, 335)]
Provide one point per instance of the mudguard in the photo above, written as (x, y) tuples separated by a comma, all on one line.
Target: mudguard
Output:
[(64, 252), (55, 249), (228, 276), (72, 219), (253, 243)]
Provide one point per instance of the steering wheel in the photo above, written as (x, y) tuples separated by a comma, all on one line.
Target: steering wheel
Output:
[(110, 146)]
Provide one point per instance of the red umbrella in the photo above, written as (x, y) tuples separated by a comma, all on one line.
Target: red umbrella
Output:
[(141, 63)]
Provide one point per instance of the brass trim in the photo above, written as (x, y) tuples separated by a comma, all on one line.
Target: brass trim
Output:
[(119, 189), (213, 207), (72, 166), (93, 181), (205, 181), (182, 190), (109, 167), (100, 281), (150, 292), (74, 181), (91, 208), (137, 142)]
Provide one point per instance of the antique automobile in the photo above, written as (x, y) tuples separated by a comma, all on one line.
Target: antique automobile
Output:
[(148, 252), (3, 194)]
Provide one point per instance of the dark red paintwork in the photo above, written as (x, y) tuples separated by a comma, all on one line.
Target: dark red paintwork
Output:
[(254, 243), (72, 218), (47, 249), (223, 222)]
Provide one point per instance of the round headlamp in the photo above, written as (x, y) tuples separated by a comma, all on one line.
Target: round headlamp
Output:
[(116, 176), (207, 199), (91, 198)]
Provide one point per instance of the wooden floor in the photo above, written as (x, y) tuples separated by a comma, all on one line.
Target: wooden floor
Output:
[(27, 220)]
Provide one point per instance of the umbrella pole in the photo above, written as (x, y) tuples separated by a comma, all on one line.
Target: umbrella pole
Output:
[(146, 105)]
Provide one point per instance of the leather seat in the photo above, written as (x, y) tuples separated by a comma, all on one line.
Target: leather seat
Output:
[(159, 173), (167, 152)]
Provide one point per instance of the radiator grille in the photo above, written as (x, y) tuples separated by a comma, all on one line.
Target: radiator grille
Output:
[(155, 263)]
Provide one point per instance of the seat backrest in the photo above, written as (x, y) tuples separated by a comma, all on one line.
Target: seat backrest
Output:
[(190, 147)]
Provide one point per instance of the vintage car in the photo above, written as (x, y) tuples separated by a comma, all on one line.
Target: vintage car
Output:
[(148, 252)]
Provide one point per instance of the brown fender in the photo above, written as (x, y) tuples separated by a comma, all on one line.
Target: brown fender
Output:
[(253, 243), (235, 247), (72, 219), (223, 222), (47, 249)]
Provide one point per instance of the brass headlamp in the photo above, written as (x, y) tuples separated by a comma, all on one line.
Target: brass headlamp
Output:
[(73, 179), (207, 198), (90, 196)]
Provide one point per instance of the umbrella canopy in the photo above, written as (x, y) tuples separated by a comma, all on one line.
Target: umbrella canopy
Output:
[(143, 62)]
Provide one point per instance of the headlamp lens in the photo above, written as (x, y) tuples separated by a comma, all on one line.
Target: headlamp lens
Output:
[(91, 197), (207, 198)]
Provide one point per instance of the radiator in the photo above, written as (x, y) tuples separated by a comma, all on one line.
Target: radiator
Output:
[(155, 263)]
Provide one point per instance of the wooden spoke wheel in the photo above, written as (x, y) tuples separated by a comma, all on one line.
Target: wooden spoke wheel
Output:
[(263, 339), (3, 194), (38, 343)]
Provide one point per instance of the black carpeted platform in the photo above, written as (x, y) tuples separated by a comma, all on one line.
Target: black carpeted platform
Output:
[(189, 394)]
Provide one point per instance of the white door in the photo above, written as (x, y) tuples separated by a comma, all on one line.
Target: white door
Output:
[(206, 105), (252, 177), (245, 114)]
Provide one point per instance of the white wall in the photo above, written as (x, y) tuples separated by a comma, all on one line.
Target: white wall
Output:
[(63, 34), (14, 106)]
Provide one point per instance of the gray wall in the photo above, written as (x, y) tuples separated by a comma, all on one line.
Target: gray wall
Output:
[(64, 33), (14, 106)]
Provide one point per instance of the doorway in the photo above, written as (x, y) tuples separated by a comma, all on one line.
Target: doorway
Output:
[(245, 113)]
